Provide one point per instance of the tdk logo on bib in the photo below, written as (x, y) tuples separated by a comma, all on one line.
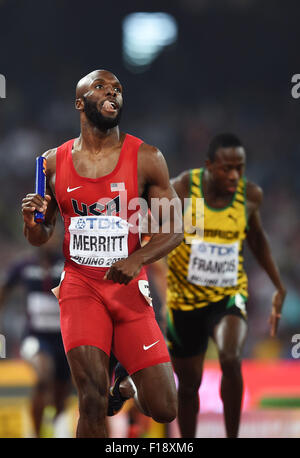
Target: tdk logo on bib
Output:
[(213, 264), (100, 223), (219, 250), (80, 224)]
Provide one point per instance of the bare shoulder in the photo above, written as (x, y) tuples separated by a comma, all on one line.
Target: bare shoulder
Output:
[(150, 152), (183, 178), (151, 162), (254, 193), (181, 184), (50, 156)]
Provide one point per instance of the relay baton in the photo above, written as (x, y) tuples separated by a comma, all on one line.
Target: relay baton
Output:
[(40, 184)]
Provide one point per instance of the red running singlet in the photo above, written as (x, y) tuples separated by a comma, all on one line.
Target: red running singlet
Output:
[(91, 243)]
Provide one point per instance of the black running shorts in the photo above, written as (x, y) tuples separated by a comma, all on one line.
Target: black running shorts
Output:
[(188, 331)]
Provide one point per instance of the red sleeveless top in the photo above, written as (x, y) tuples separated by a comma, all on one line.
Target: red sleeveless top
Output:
[(100, 225)]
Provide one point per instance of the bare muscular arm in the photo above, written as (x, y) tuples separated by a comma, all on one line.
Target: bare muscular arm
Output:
[(181, 184), (154, 183), (259, 245), (39, 233)]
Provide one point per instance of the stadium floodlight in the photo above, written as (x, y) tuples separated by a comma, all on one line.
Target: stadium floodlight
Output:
[(145, 35)]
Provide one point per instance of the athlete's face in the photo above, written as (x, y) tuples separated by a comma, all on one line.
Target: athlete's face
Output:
[(103, 100), (227, 168)]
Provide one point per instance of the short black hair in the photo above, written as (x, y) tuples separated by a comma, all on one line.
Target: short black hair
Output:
[(224, 140)]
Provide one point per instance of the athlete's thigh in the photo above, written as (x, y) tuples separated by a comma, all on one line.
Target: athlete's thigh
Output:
[(137, 341), (139, 344), (189, 370), (230, 334), (84, 318), (156, 386), (89, 368)]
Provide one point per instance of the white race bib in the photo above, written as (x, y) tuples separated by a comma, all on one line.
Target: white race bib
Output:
[(98, 241), (213, 264)]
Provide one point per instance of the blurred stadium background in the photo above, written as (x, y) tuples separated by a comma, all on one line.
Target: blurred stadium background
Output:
[(196, 69)]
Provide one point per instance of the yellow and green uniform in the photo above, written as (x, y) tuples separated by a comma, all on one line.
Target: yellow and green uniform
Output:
[(208, 270)]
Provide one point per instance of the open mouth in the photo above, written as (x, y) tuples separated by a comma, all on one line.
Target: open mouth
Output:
[(110, 106), (232, 188)]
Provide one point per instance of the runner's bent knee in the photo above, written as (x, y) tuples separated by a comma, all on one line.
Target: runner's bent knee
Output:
[(165, 410), (92, 403)]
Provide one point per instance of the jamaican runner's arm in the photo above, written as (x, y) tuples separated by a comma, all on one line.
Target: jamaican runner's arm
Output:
[(260, 247)]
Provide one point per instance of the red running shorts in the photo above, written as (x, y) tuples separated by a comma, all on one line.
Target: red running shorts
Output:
[(112, 317)]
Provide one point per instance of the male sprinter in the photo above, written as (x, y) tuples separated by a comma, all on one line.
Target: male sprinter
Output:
[(42, 345), (94, 180), (207, 284)]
